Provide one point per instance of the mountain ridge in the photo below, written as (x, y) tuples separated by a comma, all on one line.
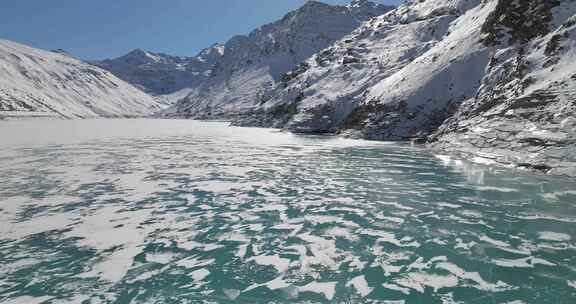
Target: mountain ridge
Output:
[(491, 80), (252, 64), (162, 74), (420, 71), (35, 82)]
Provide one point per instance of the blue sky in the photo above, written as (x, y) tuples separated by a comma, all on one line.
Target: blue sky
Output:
[(98, 29)]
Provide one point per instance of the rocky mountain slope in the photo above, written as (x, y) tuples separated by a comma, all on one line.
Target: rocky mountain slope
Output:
[(492, 78), (391, 79), (253, 65), (161, 74), (42, 83), (524, 113)]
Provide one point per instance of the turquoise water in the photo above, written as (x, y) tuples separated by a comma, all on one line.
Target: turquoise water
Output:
[(158, 211)]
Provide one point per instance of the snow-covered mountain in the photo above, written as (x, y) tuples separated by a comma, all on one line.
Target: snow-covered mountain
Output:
[(253, 65), (390, 79), (494, 78), (161, 74), (34, 82), (524, 113)]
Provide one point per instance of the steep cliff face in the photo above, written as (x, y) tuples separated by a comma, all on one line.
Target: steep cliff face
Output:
[(161, 74), (524, 114), (253, 65), (34, 82)]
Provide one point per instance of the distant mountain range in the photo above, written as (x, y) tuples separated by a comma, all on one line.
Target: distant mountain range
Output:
[(493, 80), (246, 67), (161, 74)]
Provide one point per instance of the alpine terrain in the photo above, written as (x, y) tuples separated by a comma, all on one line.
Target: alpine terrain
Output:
[(161, 74), (471, 199), (252, 66), (42, 83), (494, 79)]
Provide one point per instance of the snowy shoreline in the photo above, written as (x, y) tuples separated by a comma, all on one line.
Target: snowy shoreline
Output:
[(501, 158)]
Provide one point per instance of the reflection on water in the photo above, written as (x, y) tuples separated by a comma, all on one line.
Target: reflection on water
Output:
[(473, 173), (152, 211)]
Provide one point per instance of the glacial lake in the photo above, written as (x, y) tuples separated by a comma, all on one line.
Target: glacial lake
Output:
[(176, 211)]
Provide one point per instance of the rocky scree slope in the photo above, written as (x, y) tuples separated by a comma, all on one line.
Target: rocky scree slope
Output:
[(253, 65), (42, 83), (161, 74), (494, 78)]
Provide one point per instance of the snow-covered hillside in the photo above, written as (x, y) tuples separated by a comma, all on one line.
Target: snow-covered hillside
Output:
[(502, 71), (162, 74), (390, 79), (34, 82), (253, 65), (524, 113)]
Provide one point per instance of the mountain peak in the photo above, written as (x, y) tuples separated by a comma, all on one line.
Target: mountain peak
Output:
[(159, 73), (311, 8), (362, 10), (314, 3), (140, 56), (212, 53), (138, 52)]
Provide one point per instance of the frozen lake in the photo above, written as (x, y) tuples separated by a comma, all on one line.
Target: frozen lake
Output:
[(176, 211)]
